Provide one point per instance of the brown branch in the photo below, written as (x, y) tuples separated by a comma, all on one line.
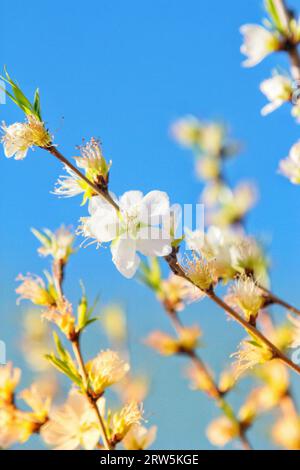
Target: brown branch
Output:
[(58, 275), (177, 269), (98, 190), (216, 394), (92, 400), (274, 299), (289, 46)]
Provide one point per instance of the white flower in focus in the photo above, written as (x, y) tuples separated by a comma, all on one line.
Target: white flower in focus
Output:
[(69, 185), (290, 166), (72, 425), (141, 225), (19, 137), (258, 43), (278, 89)]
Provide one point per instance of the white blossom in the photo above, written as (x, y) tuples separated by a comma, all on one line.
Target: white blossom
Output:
[(258, 43), (72, 425), (278, 90), (140, 226), (18, 138), (290, 166)]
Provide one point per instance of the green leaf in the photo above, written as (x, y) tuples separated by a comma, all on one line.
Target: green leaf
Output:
[(63, 367), (151, 273), (19, 98), (64, 355), (37, 103), (91, 320), (274, 15)]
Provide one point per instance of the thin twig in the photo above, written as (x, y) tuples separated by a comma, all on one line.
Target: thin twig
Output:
[(274, 299), (177, 269), (254, 331), (92, 401), (217, 394), (291, 48), (58, 275)]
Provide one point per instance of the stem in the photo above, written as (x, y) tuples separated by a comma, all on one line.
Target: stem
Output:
[(249, 328), (58, 275), (291, 48), (217, 395), (277, 300), (80, 362)]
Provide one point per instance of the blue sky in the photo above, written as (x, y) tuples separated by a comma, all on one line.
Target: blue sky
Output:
[(123, 72)]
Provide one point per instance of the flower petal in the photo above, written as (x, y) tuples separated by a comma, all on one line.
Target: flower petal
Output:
[(98, 202), (124, 256), (103, 225), (130, 198), (156, 204), (153, 242)]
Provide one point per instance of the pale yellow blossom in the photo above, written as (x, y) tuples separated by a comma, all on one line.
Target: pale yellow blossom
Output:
[(33, 288), (113, 320), (122, 421), (9, 380), (73, 425), (57, 244), (250, 354), (201, 272), (38, 399), (176, 291), (139, 438), (61, 314), (19, 137), (202, 380), (221, 431), (166, 345), (106, 370), (286, 432), (245, 295)]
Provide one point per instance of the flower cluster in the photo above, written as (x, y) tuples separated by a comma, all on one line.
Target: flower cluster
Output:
[(282, 33), (142, 224)]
